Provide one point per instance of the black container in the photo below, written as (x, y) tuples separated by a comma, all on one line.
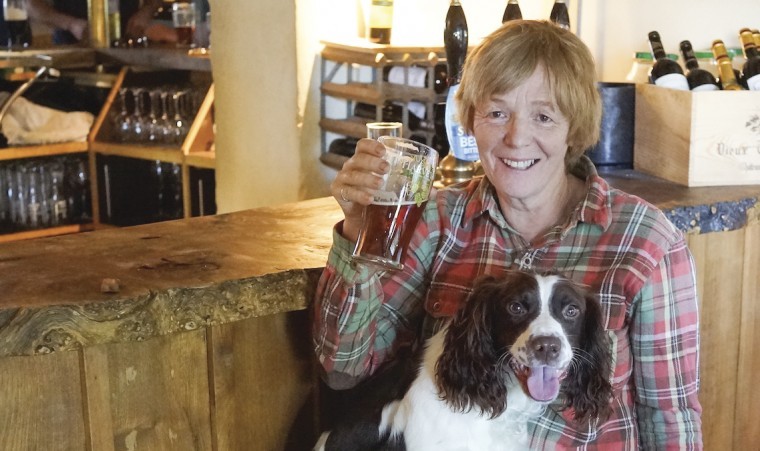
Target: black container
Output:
[(615, 146)]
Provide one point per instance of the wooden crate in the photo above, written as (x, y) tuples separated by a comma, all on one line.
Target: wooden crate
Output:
[(698, 139)]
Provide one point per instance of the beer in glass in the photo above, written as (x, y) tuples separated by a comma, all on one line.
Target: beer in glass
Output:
[(389, 222)]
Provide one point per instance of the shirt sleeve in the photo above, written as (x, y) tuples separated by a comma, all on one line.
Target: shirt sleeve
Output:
[(361, 316), (665, 346)]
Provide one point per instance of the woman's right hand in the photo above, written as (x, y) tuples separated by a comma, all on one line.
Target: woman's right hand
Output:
[(356, 183)]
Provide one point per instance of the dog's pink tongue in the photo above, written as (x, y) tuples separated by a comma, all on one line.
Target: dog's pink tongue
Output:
[(543, 383)]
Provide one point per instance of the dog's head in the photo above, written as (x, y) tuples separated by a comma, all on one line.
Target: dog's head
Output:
[(542, 329)]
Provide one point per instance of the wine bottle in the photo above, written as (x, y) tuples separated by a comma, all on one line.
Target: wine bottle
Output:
[(380, 21), (698, 79), (455, 41), (665, 72), (559, 14), (756, 37), (751, 68), (392, 112), (727, 78), (512, 11)]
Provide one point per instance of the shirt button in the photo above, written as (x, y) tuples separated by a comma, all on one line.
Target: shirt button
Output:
[(436, 306)]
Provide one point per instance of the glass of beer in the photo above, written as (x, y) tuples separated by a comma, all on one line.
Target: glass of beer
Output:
[(183, 17), (389, 222), (17, 20)]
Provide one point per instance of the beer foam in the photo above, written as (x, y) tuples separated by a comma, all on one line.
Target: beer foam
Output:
[(385, 203)]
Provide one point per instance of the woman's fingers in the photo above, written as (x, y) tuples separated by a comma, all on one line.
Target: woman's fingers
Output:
[(361, 175)]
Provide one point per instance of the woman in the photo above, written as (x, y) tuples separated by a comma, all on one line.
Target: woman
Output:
[(528, 95)]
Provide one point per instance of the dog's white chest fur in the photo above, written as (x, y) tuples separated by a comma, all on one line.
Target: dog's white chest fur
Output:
[(427, 423)]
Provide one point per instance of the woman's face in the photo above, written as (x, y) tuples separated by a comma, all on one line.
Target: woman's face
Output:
[(522, 141)]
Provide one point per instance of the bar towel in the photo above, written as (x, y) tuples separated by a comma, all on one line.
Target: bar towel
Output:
[(27, 123)]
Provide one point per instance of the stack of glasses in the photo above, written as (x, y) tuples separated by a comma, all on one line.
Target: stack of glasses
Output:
[(41, 193)]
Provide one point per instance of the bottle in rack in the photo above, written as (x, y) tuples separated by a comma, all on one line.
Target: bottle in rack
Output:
[(665, 72), (559, 14), (380, 21), (727, 77), (417, 76), (751, 68), (512, 11), (455, 39), (699, 79)]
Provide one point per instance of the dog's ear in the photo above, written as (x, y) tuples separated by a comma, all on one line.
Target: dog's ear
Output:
[(466, 372), (587, 386)]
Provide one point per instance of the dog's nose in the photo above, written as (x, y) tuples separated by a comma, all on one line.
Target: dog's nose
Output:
[(546, 348)]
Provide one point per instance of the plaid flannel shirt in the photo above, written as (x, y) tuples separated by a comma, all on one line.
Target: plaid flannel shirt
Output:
[(617, 244)]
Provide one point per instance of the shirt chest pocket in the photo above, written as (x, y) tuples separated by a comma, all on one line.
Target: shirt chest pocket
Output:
[(444, 298)]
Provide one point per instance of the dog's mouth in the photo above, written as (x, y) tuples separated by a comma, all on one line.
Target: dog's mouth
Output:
[(539, 382)]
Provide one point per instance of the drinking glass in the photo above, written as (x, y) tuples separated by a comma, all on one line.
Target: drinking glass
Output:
[(139, 123), (181, 124), (167, 126), (378, 129), (154, 132), (389, 222), (183, 17), (123, 120), (17, 22)]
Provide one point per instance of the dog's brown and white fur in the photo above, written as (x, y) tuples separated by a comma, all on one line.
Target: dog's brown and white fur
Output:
[(518, 342)]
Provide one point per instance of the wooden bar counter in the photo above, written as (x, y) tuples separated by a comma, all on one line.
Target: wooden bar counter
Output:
[(206, 344)]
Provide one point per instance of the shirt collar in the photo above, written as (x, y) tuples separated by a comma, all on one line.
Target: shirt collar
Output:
[(596, 208)]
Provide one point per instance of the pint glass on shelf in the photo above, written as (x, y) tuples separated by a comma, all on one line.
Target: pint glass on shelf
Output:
[(17, 20)]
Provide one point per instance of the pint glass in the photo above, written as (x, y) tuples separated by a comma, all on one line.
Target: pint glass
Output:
[(183, 17), (389, 222)]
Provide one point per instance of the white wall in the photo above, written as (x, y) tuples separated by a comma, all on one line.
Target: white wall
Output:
[(266, 70)]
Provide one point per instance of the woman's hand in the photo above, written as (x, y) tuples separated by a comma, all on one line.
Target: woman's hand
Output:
[(356, 183)]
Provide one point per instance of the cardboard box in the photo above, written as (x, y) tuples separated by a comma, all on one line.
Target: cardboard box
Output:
[(698, 139)]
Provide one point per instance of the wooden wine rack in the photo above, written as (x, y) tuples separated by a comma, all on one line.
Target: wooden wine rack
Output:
[(341, 61)]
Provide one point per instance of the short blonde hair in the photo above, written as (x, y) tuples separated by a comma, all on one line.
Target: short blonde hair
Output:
[(510, 55)]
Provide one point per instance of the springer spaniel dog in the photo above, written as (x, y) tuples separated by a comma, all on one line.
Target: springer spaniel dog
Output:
[(518, 343)]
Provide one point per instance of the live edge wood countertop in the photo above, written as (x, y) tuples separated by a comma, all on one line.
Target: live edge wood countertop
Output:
[(188, 274)]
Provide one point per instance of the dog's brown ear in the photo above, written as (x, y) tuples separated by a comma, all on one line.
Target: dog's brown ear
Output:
[(587, 387), (466, 371)]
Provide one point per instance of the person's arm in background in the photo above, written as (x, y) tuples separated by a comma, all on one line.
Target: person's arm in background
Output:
[(41, 11), (141, 24)]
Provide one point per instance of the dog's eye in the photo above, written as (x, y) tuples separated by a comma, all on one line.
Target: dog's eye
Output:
[(570, 311), (515, 308)]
